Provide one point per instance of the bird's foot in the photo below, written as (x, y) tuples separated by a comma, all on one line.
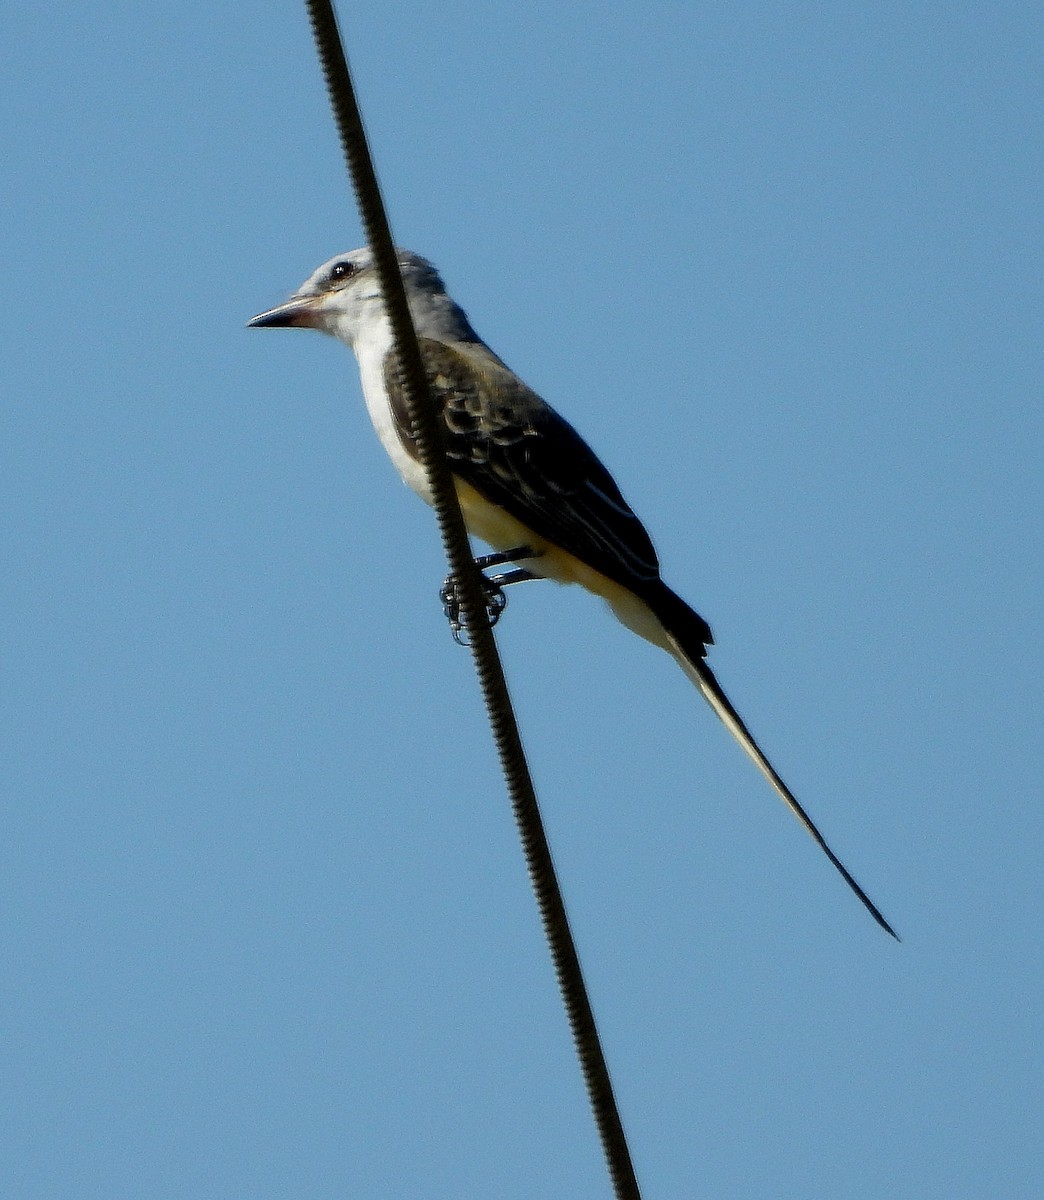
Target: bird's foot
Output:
[(492, 587)]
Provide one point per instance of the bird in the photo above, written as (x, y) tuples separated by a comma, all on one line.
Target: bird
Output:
[(527, 482)]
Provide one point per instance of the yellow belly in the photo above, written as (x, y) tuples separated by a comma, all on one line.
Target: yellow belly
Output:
[(504, 532)]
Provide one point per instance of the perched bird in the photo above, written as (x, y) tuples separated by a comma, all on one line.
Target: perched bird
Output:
[(525, 478)]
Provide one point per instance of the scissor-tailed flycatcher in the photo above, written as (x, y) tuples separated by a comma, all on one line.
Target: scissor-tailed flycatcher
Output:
[(524, 476)]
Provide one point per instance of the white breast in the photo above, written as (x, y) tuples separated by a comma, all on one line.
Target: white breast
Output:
[(372, 351)]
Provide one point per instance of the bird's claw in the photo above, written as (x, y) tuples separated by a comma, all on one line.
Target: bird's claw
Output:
[(492, 587), (449, 594)]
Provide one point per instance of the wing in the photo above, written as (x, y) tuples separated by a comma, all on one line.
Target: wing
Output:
[(515, 450)]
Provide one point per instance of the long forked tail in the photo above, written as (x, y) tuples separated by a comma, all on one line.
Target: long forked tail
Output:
[(695, 666)]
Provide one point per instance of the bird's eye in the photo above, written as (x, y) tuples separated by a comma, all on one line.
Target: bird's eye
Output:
[(342, 270)]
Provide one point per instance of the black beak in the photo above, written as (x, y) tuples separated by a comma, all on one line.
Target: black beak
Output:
[(296, 313)]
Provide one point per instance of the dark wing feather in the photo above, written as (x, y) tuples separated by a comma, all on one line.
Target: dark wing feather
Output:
[(515, 450)]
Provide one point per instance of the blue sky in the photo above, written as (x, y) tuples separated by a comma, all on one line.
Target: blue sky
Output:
[(263, 918)]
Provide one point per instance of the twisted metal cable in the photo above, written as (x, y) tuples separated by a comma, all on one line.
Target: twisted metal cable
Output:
[(488, 666)]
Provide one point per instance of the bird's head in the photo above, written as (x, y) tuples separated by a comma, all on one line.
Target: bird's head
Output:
[(343, 298)]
